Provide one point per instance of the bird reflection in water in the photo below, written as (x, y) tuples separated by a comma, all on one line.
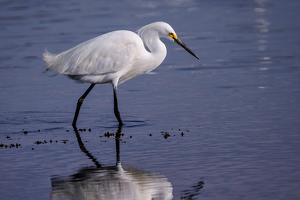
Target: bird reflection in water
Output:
[(194, 191), (112, 182)]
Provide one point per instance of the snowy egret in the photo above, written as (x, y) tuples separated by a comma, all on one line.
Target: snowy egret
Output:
[(114, 57)]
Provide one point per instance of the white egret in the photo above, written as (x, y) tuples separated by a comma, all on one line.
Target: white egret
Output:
[(114, 57)]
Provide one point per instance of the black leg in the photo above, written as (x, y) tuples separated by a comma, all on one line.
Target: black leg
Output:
[(116, 109), (117, 138), (79, 103)]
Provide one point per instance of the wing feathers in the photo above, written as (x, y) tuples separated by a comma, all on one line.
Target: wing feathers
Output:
[(105, 54)]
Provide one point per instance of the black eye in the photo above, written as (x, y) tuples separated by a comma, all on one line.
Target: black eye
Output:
[(172, 35)]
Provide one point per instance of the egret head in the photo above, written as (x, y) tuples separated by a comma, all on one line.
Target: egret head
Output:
[(171, 35), (162, 29)]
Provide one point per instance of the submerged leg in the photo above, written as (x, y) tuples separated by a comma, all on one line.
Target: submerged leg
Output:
[(79, 103), (116, 109)]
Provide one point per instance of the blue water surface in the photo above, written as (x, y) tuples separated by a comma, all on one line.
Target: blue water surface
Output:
[(232, 118)]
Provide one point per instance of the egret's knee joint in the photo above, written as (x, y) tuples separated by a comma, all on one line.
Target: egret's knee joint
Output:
[(80, 100)]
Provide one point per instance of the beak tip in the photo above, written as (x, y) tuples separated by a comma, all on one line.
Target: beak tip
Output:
[(180, 43)]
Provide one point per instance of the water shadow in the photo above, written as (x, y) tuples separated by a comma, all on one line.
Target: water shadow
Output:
[(193, 192), (110, 182)]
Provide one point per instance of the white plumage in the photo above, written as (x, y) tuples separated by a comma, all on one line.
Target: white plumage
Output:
[(114, 57)]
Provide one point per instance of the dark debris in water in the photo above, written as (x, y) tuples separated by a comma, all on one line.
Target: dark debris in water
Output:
[(108, 134), (12, 145), (26, 132), (50, 141), (166, 134), (83, 130)]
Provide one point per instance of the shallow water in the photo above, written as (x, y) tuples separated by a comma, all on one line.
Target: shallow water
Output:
[(233, 117)]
